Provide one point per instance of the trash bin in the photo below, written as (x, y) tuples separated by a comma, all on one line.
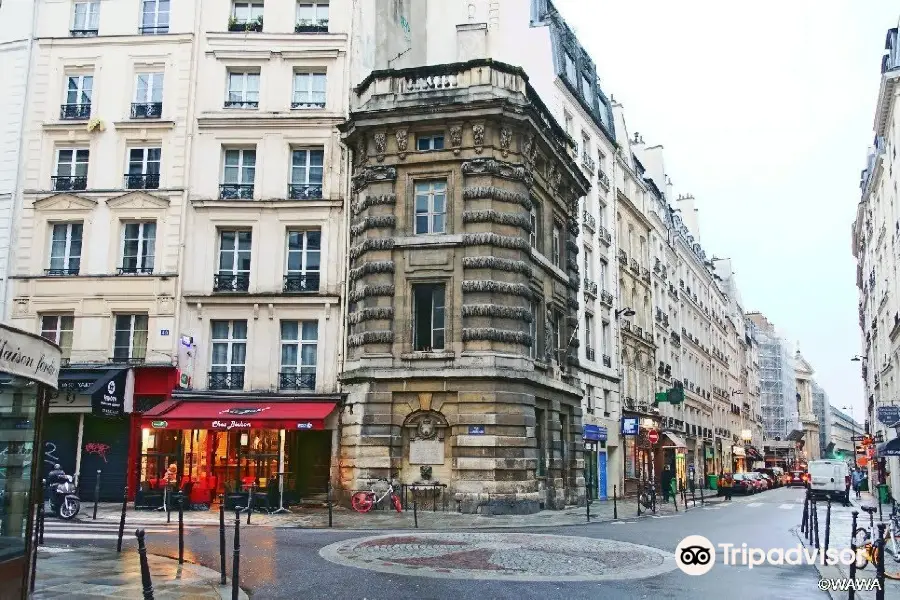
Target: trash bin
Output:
[(713, 482), (884, 496)]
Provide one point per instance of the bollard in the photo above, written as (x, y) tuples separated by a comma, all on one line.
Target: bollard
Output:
[(880, 516), (827, 527), (615, 505), (122, 520), (222, 537), (816, 520), (167, 500), (328, 493), (640, 490), (812, 521), (675, 501), (415, 512), (653, 497), (804, 523), (587, 506), (702, 499), (145, 567), (236, 563), (181, 530), (854, 550), (694, 496), (250, 502), (34, 559), (41, 512), (96, 494), (879, 563)]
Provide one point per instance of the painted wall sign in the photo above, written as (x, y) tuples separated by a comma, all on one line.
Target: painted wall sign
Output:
[(158, 424), (108, 395), (29, 356)]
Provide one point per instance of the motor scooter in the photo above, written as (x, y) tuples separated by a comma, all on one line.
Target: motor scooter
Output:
[(64, 501)]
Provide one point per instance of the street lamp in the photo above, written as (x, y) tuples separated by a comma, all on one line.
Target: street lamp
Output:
[(625, 312), (857, 358)]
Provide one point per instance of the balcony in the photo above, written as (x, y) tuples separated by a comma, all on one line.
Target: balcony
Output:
[(648, 336), (154, 30), (146, 110), (665, 320), (590, 287), (607, 361), (236, 191), (75, 112), (243, 104), (146, 181), (311, 26), (68, 183), (635, 267), (61, 272), (93, 31), (589, 221), (135, 270), (231, 282), (589, 352), (588, 163), (603, 179), (307, 104), (645, 274), (225, 380), (124, 359), (626, 326), (676, 340), (606, 298), (604, 235), (297, 381), (296, 283), (255, 25), (304, 191)]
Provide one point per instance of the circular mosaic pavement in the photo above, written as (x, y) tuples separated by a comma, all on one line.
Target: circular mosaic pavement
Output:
[(506, 556)]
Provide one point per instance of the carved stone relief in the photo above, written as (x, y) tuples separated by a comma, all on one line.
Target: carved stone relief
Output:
[(478, 135), (505, 141), (455, 138), (402, 142), (380, 146)]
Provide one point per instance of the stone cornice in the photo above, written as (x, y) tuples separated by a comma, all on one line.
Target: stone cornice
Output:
[(252, 119)]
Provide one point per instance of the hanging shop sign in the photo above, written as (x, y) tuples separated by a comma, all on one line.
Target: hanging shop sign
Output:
[(29, 356), (630, 426), (108, 394)]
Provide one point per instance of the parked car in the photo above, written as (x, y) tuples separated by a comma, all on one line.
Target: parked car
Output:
[(829, 479), (743, 484), (798, 479), (758, 482), (771, 475)]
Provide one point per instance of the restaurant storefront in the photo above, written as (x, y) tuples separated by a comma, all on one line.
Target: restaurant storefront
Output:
[(640, 456), (29, 371), (675, 456), (276, 449), (739, 455)]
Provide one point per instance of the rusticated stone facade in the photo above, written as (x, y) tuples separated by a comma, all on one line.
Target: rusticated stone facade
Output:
[(488, 404)]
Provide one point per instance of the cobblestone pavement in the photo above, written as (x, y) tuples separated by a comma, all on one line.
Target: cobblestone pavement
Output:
[(501, 556), (92, 573), (343, 518)]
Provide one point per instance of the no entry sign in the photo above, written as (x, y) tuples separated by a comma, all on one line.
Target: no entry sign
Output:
[(653, 436)]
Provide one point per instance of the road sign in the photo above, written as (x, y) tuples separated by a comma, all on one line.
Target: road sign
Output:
[(653, 436), (889, 415)]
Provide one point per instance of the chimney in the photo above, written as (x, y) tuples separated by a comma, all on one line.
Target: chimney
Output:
[(471, 41)]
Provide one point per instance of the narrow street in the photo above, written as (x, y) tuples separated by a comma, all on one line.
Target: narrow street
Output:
[(282, 563)]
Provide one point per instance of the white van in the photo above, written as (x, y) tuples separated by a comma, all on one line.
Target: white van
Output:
[(829, 479)]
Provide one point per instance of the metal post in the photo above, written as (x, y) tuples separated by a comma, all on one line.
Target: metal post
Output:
[(702, 499), (804, 524), (145, 567), (415, 512), (41, 512), (694, 495), (250, 502), (122, 520), (168, 503), (181, 530), (222, 537), (827, 526), (816, 519), (653, 497), (34, 559), (880, 516), (328, 493), (640, 492), (236, 562), (854, 550), (675, 501), (810, 521), (587, 506), (879, 567), (96, 494), (615, 505)]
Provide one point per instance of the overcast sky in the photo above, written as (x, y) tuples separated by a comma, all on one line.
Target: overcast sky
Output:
[(765, 111)]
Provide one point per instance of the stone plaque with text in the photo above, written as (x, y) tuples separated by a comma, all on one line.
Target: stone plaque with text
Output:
[(426, 452)]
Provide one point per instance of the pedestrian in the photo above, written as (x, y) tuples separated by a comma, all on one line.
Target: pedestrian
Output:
[(667, 478), (727, 484), (857, 478)]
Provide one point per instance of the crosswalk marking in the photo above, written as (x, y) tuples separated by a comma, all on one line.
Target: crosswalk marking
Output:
[(788, 506), (81, 530), (755, 504)]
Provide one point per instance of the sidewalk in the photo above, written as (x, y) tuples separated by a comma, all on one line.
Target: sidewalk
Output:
[(345, 518), (92, 573)]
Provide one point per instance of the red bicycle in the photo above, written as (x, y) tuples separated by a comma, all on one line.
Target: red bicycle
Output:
[(363, 502)]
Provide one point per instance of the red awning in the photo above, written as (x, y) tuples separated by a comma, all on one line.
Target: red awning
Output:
[(183, 414)]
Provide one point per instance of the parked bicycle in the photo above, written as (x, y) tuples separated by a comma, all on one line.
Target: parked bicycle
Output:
[(864, 539), (363, 502)]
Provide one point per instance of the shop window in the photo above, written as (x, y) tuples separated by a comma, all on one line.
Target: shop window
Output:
[(130, 344), (299, 349), (59, 329), (229, 355), (428, 316)]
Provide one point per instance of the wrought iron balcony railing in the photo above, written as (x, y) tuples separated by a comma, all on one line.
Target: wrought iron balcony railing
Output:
[(68, 183), (236, 191), (606, 298), (604, 235), (304, 191), (133, 270), (311, 26), (123, 358), (245, 104), (603, 179), (607, 361), (146, 110), (154, 30), (225, 380), (589, 221), (146, 181), (84, 32), (297, 381), (61, 272), (231, 282), (301, 282), (590, 287), (301, 104), (75, 111)]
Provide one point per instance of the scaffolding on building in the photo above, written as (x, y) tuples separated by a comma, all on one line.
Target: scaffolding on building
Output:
[(778, 386)]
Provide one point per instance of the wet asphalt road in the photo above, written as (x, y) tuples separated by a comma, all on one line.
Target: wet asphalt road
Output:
[(285, 563)]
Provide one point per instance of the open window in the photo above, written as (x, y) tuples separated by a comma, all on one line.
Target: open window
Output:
[(428, 316)]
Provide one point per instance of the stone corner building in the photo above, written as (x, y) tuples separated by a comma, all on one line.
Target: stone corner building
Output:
[(463, 283)]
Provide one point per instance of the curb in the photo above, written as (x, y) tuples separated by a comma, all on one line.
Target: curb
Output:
[(206, 572), (824, 571)]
